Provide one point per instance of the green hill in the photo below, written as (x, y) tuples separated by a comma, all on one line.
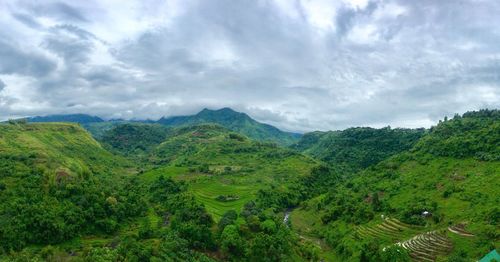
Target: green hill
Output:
[(220, 163), (357, 148), (237, 122), (451, 173), (475, 134), (135, 139), (57, 182), (55, 145)]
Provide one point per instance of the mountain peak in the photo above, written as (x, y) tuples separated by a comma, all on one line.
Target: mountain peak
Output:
[(224, 110), (235, 121)]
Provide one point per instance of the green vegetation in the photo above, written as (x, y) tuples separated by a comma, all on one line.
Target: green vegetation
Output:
[(60, 187), (358, 148), (134, 139), (206, 192), (57, 183), (424, 190), (235, 121), (218, 162), (475, 134)]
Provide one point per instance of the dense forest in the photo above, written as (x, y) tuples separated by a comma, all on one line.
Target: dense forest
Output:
[(218, 189)]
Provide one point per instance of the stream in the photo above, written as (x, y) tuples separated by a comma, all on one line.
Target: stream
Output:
[(286, 218)]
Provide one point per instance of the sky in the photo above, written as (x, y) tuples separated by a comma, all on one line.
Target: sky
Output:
[(300, 65)]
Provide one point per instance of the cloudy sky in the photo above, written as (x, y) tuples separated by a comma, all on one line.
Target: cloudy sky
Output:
[(298, 64)]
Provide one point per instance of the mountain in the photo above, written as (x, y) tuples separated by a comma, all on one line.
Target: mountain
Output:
[(357, 148), (439, 199), (74, 118), (235, 121)]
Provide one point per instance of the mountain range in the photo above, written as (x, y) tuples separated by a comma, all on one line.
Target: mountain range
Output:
[(226, 117)]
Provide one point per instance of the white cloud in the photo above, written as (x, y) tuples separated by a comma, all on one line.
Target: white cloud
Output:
[(300, 65)]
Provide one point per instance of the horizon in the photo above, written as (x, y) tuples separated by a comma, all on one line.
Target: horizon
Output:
[(223, 108), (297, 65)]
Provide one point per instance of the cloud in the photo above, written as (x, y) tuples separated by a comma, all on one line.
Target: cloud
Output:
[(27, 20), (17, 61), (59, 10), (2, 85), (300, 65)]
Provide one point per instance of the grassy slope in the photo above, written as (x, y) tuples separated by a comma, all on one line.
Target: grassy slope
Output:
[(58, 145), (237, 166)]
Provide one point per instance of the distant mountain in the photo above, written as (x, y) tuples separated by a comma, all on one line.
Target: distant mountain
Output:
[(73, 118), (357, 148), (237, 122), (226, 117)]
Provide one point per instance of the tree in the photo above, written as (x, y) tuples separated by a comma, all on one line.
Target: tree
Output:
[(231, 242), (145, 230), (376, 202), (268, 226), (228, 218)]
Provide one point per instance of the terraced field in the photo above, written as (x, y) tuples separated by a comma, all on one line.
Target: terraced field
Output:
[(390, 230), (427, 246), (460, 230), (207, 190)]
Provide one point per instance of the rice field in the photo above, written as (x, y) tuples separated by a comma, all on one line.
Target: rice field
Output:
[(206, 188)]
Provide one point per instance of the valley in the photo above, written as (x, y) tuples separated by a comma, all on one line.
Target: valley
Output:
[(220, 186)]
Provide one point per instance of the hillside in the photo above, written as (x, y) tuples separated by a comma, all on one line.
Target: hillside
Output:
[(450, 173), (219, 163), (60, 187), (475, 134), (55, 145), (134, 139), (235, 121), (357, 148), (55, 184)]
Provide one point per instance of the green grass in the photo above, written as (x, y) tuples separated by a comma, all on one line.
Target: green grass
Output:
[(166, 171), (57, 146), (206, 191), (206, 188)]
